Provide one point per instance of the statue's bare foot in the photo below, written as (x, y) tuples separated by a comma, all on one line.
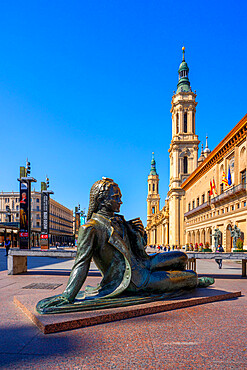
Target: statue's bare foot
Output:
[(205, 281)]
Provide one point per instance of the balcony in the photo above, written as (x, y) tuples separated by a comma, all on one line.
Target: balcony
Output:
[(235, 190), (202, 207)]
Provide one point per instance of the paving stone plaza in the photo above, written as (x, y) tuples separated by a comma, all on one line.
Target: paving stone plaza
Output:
[(206, 336)]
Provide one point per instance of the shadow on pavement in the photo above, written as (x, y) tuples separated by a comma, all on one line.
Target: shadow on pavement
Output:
[(58, 272), (23, 346)]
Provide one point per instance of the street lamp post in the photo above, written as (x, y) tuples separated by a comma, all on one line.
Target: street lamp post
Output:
[(25, 206), (83, 217), (80, 219), (77, 221)]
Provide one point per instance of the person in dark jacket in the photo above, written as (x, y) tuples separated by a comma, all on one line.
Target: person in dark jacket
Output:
[(219, 249), (7, 246)]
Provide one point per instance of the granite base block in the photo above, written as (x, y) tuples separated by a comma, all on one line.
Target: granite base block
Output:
[(62, 322)]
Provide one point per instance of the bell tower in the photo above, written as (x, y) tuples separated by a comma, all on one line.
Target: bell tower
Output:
[(183, 151), (184, 145), (153, 199)]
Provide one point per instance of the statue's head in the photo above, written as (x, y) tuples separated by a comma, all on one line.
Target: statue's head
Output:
[(106, 194)]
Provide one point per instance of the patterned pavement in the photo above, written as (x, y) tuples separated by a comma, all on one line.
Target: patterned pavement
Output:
[(211, 336)]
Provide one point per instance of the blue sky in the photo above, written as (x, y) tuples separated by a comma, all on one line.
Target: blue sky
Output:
[(86, 88)]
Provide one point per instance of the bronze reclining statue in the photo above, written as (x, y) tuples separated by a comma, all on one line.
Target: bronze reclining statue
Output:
[(130, 275)]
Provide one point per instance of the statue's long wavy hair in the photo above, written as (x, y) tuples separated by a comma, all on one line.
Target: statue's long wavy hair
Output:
[(98, 194)]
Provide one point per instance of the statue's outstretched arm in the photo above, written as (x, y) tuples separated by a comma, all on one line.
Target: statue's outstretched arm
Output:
[(82, 262), (78, 274)]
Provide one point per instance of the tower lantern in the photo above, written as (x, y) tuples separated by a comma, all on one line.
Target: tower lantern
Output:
[(183, 72)]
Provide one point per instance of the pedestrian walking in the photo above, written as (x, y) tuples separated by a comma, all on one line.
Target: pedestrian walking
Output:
[(219, 249), (7, 246)]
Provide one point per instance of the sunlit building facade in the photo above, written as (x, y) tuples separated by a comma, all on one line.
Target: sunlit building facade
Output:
[(61, 218), (198, 202)]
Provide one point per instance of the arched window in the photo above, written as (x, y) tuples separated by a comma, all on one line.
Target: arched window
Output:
[(243, 177), (185, 122), (149, 187), (177, 123), (153, 210), (153, 187), (193, 122), (185, 165)]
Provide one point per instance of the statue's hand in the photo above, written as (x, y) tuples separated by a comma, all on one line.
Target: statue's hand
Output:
[(137, 225)]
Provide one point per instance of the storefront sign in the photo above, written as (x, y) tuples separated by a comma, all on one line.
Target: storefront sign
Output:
[(44, 236)]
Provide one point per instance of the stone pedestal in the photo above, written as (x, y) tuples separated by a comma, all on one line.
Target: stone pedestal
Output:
[(17, 264)]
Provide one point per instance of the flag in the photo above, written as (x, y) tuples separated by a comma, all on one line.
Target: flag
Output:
[(229, 177), (224, 178), (214, 188), (211, 189)]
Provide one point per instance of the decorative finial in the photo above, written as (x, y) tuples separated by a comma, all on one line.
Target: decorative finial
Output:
[(183, 48), (207, 151)]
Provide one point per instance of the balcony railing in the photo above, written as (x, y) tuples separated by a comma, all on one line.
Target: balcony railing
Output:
[(235, 190), (201, 207)]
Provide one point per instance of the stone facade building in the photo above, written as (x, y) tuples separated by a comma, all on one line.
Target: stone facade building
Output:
[(61, 218), (190, 214), (226, 205)]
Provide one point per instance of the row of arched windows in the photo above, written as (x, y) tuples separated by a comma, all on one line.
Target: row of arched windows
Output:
[(185, 123), (153, 187)]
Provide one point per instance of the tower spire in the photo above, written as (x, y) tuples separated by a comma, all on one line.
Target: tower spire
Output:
[(183, 82), (183, 48), (207, 151), (153, 166), (153, 199), (202, 157)]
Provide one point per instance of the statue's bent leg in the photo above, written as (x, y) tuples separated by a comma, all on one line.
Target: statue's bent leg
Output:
[(168, 261), (167, 281)]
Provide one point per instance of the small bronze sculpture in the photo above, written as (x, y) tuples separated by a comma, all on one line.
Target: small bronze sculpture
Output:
[(235, 234), (130, 275)]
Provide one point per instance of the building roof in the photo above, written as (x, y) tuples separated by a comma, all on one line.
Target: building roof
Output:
[(233, 138)]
